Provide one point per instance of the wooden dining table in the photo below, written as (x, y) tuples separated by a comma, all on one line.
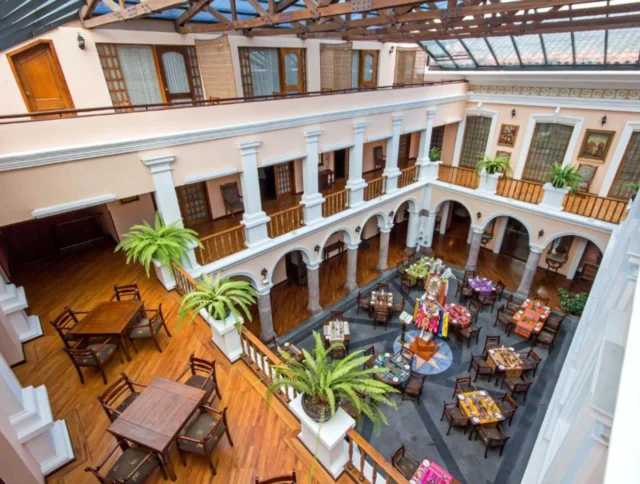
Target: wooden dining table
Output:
[(480, 408), (531, 318), (155, 418), (336, 331), (108, 319)]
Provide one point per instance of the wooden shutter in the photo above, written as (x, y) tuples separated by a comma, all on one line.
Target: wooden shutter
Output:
[(474, 143), (216, 68), (410, 66), (113, 74), (245, 71), (335, 66), (629, 170), (549, 143), (284, 179)]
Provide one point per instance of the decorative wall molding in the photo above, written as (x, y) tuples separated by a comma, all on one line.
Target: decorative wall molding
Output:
[(30, 159), (75, 205), (563, 92)]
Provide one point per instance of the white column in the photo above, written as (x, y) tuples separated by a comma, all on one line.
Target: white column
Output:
[(429, 228), (313, 285), (356, 183), (13, 303), (581, 245), (352, 267), (266, 316), (412, 230), (311, 198), (474, 249), (428, 170), (444, 218), (383, 252), (529, 271), (30, 415), (391, 171), (254, 219), (499, 230)]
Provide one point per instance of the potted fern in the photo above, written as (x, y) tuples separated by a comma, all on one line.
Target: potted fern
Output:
[(490, 170), (223, 303), (159, 246), (562, 180), (634, 187), (435, 154)]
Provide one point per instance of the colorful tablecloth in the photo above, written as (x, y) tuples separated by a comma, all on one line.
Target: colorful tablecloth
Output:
[(483, 286), (479, 407), (399, 369), (507, 360), (431, 473), (336, 331), (459, 316), (531, 317)]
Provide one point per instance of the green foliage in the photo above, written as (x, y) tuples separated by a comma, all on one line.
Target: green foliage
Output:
[(491, 165), (567, 176), (331, 382), (164, 243), (634, 186), (435, 153), (572, 302), (219, 298)]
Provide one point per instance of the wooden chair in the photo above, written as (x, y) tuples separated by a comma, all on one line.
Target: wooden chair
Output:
[(371, 353), (382, 286), (406, 464), (469, 333), (474, 308), (272, 344), (488, 300), (111, 400), (541, 300), (463, 290), (338, 353), (148, 327), (349, 407), (530, 361), (507, 406), (513, 303), (126, 292), (493, 438), (464, 385), (203, 434), (64, 323), (505, 318), (92, 356), (481, 367), (336, 315), (517, 385), (288, 479), (490, 342), (407, 283), (468, 275), (499, 292), (413, 389), (233, 201), (398, 306), (555, 321), (545, 338), (454, 416), (134, 465), (380, 315), (364, 303), (407, 355), (203, 377)]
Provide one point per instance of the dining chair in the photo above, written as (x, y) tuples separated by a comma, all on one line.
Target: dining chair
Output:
[(126, 292), (148, 327), (338, 353), (545, 338), (541, 300), (349, 407), (364, 303), (401, 269), (203, 377), (481, 366), (371, 353), (406, 464), (413, 388), (499, 292), (520, 384), (380, 315), (336, 315), (288, 479), (406, 354), (64, 322), (555, 321), (505, 318), (398, 305), (469, 333), (111, 399), (530, 361), (382, 286), (203, 434), (233, 201), (469, 275), (474, 307), (455, 417), (507, 406), (92, 356), (491, 341), (513, 303), (489, 300), (134, 465), (493, 438), (463, 291), (407, 283), (272, 344), (464, 385)]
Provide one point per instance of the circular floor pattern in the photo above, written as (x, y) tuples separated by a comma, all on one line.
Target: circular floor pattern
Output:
[(429, 360)]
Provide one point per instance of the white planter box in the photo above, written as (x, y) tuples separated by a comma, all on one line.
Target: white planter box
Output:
[(164, 275), (553, 197), (488, 183), (225, 335), (429, 170)]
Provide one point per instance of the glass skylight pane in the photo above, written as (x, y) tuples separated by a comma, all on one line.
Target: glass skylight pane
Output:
[(558, 48), (480, 52), (589, 47), (530, 49), (434, 49), (503, 48), (457, 53), (622, 46), (446, 64)]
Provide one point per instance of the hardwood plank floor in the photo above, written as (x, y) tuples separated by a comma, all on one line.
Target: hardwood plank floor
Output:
[(265, 438)]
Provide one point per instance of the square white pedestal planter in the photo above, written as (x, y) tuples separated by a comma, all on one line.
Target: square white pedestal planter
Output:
[(327, 439), (225, 335), (553, 197), (164, 275)]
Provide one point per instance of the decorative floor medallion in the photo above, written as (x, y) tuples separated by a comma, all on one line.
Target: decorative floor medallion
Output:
[(432, 357)]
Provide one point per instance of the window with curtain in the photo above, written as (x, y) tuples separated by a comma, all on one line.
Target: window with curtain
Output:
[(355, 69), (265, 76), (364, 68), (474, 142), (628, 171), (549, 144), (139, 73), (269, 71)]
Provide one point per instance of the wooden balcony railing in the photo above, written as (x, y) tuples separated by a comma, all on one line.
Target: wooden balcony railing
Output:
[(408, 176), (184, 282), (464, 177), (522, 190), (366, 464), (285, 221), (221, 244), (335, 203), (605, 209), (374, 189)]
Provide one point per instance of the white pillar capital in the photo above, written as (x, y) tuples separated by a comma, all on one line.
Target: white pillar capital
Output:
[(397, 119), (249, 147), (477, 230), (431, 113), (158, 164), (360, 126), (313, 134), (353, 246), (537, 249)]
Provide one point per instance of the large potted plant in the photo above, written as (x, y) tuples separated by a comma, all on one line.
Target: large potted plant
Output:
[(222, 303), (435, 154), (573, 302), (562, 180), (159, 246), (490, 170)]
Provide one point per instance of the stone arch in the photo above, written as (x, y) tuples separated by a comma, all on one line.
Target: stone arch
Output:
[(350, 236), (553, 237), (307, 257), (252, 279), (413, 204), (436, 209), (383, 220), (494, 216)]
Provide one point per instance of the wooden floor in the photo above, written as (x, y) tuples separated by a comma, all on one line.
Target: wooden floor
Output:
[(265, 438)]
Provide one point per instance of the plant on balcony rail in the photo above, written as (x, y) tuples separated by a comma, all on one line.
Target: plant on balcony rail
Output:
[(326, 384), (493, 165), (565, 176), (163, 243), (435, 154), (219, 298), (634, 187)]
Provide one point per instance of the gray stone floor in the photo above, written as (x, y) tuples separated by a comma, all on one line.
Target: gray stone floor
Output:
[(419, 428)]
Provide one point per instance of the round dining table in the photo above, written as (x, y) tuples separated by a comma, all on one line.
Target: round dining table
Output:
[(399, 369)]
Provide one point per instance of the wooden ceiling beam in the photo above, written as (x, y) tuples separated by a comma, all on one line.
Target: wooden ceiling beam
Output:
[(135, 11), (191, 12), (87, 10)]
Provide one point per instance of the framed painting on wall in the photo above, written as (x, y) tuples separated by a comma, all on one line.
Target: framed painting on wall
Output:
[(503, 154), (587, 172), (595, 145), (508, 134)]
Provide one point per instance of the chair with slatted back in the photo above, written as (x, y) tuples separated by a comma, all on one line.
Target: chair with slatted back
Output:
[(380, 315), (481, 366), (407, 282), (489, 300), (545, 338), (148, 327), (519, 384), (493, 438), (126, 292), (530, 361), (336, 315), (288, 479), (134, 465), (203, 433), (474, 307), (406, 464), (454, 416), (203, 376), (513, 303), (111, 399), (507, 406), (555, 321), (272, 344), (233, 201), (65, 322), (468, 334), (491, 341), (338, 353), (469, 275), (406, 354), (505, 318), (382, 286), (463, 290), (398, 305), (364, 303), (371, 353), (94, 355), (401, 269), (464, 385), (413, 388), (499, 292)]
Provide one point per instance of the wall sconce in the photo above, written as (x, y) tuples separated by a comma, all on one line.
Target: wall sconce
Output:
[(392, 49), (264, 273), (513, 113), (479, 215), (540, 233), (603, 121), (358, 229), (317, 248), (80, 40), (391, 214)]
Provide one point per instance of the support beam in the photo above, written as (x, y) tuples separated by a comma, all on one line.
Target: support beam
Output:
[(135, 11)]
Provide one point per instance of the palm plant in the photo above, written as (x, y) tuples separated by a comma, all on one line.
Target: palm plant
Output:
[(494, 165), (325, 384), (435, 154), (219, 298), (164, 243), (565, 176)]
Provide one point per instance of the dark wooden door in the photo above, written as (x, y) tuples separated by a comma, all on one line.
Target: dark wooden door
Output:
[(285, 182), (516, 240), (368, 68), (194, 203), (40, 78), (296, 268), (175, 73), (403, 150), (339, 164)]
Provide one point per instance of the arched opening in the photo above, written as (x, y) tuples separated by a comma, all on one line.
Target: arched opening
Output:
[(333, 269), (398, 240), (515, 241), (289, 294), (369, 249), (452, 233), (252, 325)]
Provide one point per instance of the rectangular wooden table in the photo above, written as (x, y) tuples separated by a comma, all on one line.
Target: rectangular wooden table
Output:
[(108, 319), (531, 318), (480, 408), (335, 336), (507, 360), (154, 419)]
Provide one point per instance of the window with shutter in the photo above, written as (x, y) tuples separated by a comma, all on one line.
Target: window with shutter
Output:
[(549, 144), (628, 171), (335, 66), (410, 66), (474, 143)]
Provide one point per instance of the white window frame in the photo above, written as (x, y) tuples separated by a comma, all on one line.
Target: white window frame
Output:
[(621, 148)]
